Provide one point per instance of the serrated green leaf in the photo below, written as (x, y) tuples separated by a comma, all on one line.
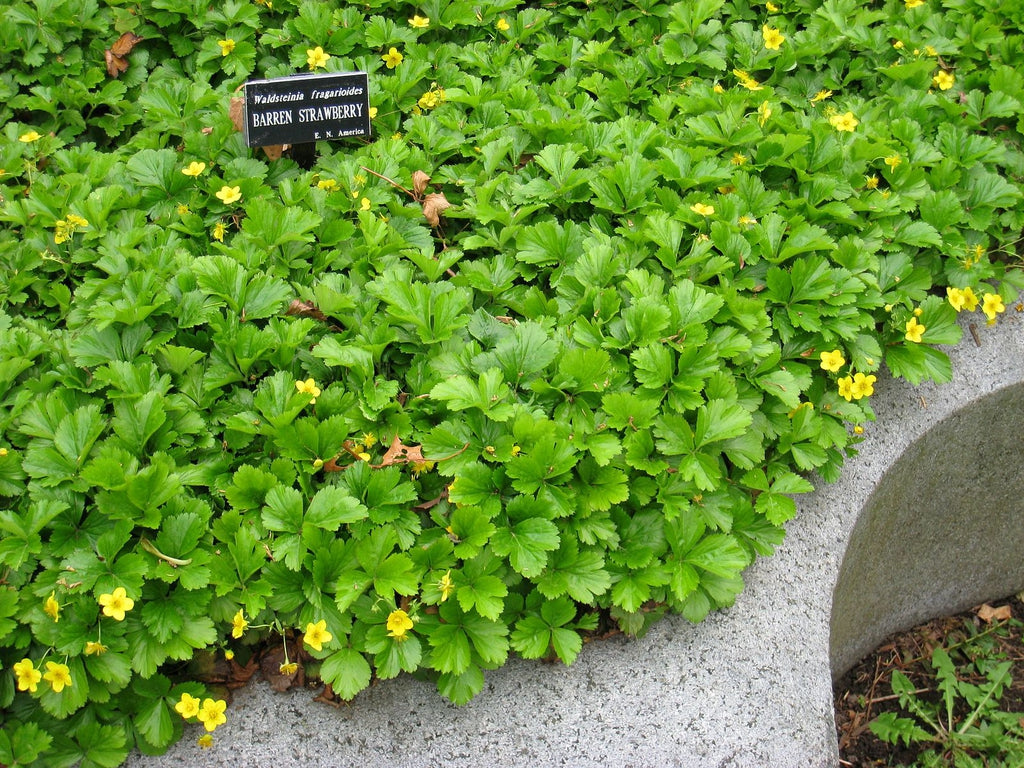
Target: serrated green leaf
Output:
[(526, 544), (347, 672)]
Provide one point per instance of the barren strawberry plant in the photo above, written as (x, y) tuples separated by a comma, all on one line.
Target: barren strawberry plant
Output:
[(554, 346)]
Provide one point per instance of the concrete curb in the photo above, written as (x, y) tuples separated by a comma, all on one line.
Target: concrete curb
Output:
[(750, 686)]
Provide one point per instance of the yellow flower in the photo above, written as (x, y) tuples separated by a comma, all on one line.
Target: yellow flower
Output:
[(892, 161), (226, 46), (364, 204), (943, 81), (229, 195), (858, 430), (327, 185), (218, 231), (820, 96), (238, 624), (30, 136), (747, 81), (373, 112), (315, 57), (862, 386), (502, 25), (962, 299), (309, 387), (832, 361), (419, 22), (194, 169), (95, 648), (205, 741), (52, 608), (764, 112), (212, 713), (419, 467), (28, 676), (738, 159), (771, 7), (846, 388), (392, 58), (914, 331), (229, 654), (717, 88), (898, 45), (992, 305), (3, 452), (913, 3), (773, 39), (845, 122), (702, 209), (288, 668), (76, 221), (871, 182), (368, 439), (398, 624), (116, 604), (317, 634), (746, 221), (183, 210), (58, 676), (446, 586), (188, 706)]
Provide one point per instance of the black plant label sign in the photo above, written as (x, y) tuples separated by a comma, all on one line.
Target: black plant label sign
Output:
[(306, 108)]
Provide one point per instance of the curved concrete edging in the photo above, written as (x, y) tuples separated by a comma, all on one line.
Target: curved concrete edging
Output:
[(752, 685)]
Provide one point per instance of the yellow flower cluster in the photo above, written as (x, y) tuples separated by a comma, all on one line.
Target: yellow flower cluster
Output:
[(210, 712), (844, 122), (432, 97), (66, 227), (857, 386)]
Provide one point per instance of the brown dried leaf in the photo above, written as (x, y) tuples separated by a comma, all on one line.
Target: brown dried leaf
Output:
[(434, 206), (237, 112), (270, 666), (125, 43), (115, 64), (305, 309), (419, 183), (274, 151), (398, 453), (988, 614)]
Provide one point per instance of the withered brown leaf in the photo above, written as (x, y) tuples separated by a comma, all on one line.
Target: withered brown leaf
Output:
[(237, 112), (988, 614), (274, 151), (434, 206), (419, 183), (115, 54), (125, 43)]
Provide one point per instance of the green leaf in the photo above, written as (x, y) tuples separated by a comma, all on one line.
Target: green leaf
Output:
[(581, 575), (155, 722), (526, 544), (486, 394), (451, 650), (333, 507), (486, 594), (347, 672)]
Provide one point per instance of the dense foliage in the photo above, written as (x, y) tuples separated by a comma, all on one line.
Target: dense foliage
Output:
[(240, 400)]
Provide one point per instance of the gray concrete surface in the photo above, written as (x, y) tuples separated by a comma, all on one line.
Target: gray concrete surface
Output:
[(750, 686)]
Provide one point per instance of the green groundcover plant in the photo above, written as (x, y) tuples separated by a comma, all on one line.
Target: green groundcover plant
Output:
[(553, 347)]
